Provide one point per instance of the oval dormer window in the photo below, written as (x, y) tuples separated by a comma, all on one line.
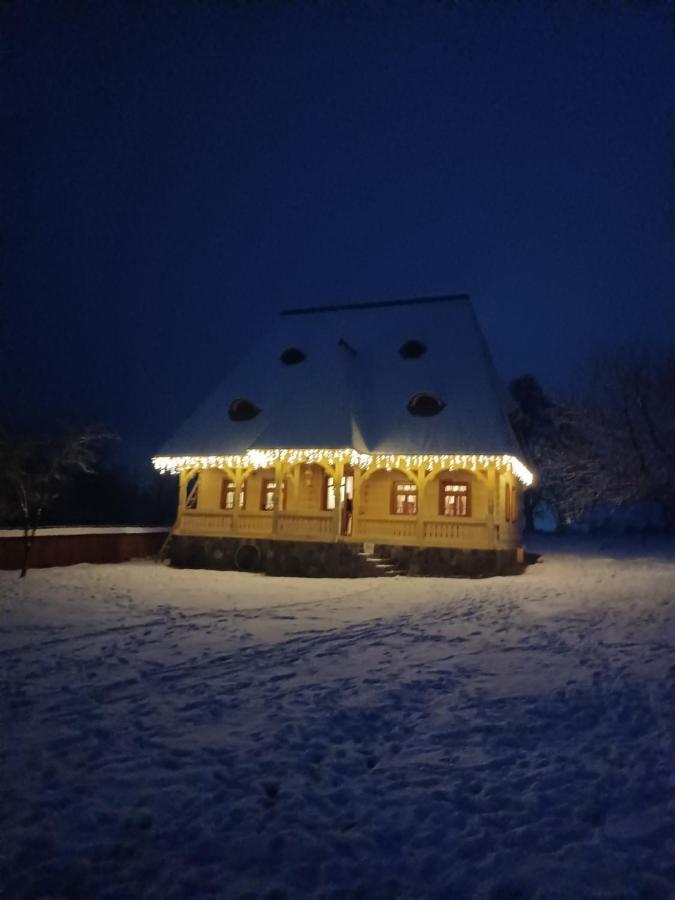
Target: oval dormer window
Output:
[(412, 349), (242, 410), (292, 356), (425, 405)]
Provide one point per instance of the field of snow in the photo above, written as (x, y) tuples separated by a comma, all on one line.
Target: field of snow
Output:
[(198, 734)]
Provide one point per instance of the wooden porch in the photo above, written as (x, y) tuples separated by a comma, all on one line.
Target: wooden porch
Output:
[(418, 507)]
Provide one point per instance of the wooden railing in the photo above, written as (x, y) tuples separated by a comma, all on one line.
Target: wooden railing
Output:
[(381, 529), (436, 532), (255, 524), (206, 522), (314, 527), (454, 532)]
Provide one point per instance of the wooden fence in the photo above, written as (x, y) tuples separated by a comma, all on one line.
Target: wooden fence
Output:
[(68, 546)]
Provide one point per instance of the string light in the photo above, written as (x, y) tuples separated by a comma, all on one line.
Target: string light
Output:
[(264, 459)]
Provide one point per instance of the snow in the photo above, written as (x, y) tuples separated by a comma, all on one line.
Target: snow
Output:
[(188, 733)]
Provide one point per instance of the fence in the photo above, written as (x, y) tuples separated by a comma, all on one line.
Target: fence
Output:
[(68, 546)]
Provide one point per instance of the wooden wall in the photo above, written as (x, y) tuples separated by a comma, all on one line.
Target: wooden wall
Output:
[(377, 493), (69, 546)]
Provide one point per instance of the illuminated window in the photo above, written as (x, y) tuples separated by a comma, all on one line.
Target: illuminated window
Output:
[(346, 490), (227, 495), (269, 486), (192, 492), (404, 499), (455, 498), (329, 492)]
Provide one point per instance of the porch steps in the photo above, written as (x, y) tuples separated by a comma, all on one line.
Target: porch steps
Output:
[(379, 567)]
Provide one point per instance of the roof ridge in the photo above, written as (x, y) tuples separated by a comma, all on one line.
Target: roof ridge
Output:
[(445, 298)]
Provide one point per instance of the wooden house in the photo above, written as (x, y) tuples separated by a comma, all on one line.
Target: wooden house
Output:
[(354, 440)]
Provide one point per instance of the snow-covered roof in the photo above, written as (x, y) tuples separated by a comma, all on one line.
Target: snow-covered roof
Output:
[(353, 387)]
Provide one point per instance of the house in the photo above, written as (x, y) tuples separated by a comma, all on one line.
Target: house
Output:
[(354, 440)]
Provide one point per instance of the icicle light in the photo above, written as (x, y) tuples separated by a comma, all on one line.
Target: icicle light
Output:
[(264, 459)]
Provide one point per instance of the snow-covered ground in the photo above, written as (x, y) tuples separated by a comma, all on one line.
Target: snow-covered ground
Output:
[(189, 734)]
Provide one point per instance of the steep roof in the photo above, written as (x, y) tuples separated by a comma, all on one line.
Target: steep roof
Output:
[(353, 387)]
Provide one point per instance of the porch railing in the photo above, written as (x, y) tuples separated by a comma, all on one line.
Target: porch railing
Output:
[(205, 522), (458, 533), (314, 527), (255, 524), (437, 532), (372, 529)]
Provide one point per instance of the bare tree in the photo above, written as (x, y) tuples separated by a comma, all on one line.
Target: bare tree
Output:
[(34, 469), (616, 443), (532, 421)]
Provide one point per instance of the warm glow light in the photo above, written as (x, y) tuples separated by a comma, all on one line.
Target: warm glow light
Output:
[(263, 459)]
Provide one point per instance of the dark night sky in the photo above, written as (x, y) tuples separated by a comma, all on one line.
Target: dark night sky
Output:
[(173, 174)]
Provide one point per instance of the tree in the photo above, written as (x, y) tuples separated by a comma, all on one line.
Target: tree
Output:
[(616, 442), (35, 468), (532, 421)]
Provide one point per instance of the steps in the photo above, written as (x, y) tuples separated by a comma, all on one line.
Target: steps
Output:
[(378, 567)]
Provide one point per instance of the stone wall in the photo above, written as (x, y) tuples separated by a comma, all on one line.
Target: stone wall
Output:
[(448, 562), (334, 560), (304, 558)]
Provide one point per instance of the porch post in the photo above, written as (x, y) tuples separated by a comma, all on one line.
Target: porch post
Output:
[(337, 487), (356, 501), (183, 478), (278, 477), (238, 482), (492, 500), (420, 481)]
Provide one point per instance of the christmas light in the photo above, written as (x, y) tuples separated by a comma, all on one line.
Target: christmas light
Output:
[(264, 459)]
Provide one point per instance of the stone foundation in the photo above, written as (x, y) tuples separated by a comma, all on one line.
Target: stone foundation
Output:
[(312, 559), (447, 562)]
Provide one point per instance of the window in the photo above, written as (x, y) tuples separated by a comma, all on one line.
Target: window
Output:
[(346, 490), (514, 504), (269, 486), (455, 498), (507, 502), (227, 495), (242, 410), (192, 492), (328, 492), (425, 405), (292, 356), (412, 349), (404, 499)]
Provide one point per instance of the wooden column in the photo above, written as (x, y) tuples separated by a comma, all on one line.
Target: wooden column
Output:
[(493, 487), (420, 481), (182, 497), (337, 483), (238, 482), (356, 501), (278, 478)]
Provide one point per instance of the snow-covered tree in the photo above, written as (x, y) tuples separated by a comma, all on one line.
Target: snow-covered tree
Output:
[(34, 469), (616, 442), (532, 420)]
